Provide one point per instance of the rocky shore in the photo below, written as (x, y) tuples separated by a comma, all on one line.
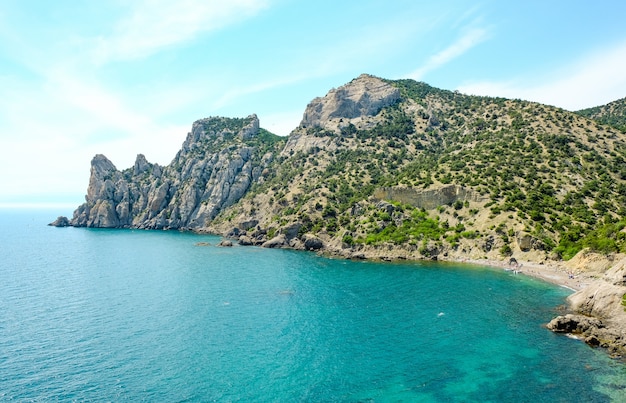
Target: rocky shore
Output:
[(597, 312)]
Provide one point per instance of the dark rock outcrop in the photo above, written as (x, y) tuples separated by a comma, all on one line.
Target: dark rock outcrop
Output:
[(592, 331), (311, 242), (575, 324), (245, 241)]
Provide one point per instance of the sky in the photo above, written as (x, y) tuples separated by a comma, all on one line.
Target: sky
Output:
[(123, 77)]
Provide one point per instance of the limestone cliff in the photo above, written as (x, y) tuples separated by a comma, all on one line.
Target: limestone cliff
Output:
[(218, 162), (428, 199), (357, 103), (363, 96)]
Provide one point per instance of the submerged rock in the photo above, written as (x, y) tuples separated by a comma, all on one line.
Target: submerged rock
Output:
[(225, 243)]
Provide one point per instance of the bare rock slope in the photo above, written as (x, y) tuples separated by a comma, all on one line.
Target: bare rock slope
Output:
[(218, 162)]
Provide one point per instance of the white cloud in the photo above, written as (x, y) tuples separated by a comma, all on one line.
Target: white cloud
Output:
[(156, 24), (51, 131), (466, 42), (54, 121), (596, 79)]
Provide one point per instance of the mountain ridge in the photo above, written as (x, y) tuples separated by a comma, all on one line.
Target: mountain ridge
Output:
[(543, 178)]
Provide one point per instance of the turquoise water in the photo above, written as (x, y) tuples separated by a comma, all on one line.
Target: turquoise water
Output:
[(141, 315)]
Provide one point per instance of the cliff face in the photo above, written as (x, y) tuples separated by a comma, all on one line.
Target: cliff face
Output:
[(363, 96), (218, 162), (431, 198), (599, 317)]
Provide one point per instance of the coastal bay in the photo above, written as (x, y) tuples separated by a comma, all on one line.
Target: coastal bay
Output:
[(101, 314)]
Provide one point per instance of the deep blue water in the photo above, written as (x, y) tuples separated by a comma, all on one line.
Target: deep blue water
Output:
[(143, 315)]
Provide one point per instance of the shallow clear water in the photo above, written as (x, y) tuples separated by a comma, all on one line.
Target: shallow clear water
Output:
[(143, 315)]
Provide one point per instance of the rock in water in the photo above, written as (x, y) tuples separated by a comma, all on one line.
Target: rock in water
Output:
[(61, 221), (311, 242), (225, 243)]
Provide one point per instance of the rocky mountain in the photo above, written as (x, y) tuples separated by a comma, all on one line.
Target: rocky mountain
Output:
[(387, 169), (218, 162)]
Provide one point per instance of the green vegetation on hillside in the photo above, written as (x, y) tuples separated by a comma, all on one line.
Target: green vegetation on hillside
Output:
[(553, 174), (612, 114)]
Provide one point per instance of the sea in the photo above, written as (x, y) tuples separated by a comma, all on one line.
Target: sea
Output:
[(167, 316)]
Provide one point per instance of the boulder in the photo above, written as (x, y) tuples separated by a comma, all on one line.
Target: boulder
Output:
[(225, 243), (246, 225), (276, 242), (311, 242), (245, 240), (291, 231), (524, 241), (385, 206)]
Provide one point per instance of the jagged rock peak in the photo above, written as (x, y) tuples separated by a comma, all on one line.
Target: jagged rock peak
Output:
[(101, 166), (141, 165), (366, 95), (102, 172)]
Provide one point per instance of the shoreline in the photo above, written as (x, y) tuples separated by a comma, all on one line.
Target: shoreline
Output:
[(553, 273)]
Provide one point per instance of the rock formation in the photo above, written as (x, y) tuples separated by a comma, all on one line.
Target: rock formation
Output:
[(428, 198), (61, 221), (216, 165), (599, 317), (358, 102), (363, 96)]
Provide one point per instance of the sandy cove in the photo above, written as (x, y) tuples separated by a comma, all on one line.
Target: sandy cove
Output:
[(553, 272)]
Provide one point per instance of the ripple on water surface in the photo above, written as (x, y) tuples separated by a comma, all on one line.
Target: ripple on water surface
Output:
[(122, 314)]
